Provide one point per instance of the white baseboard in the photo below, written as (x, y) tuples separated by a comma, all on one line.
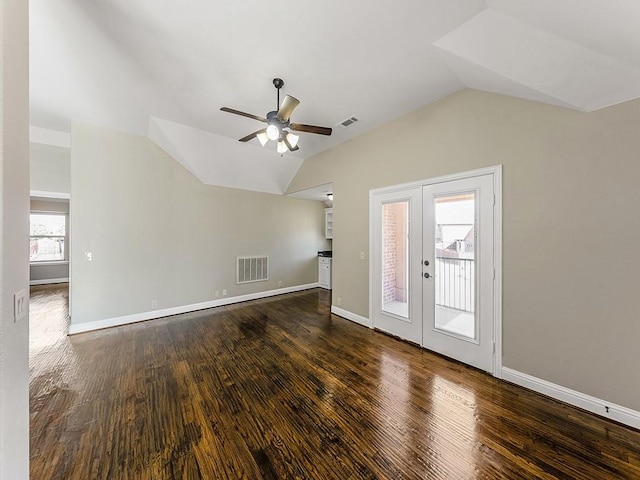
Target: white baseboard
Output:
[(47, 281), (592, 404), (75, 328), (354, 317)]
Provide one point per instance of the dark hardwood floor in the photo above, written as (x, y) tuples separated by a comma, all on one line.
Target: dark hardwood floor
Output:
[(279, 388)]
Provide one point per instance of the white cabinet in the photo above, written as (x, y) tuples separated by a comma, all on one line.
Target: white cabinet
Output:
[(328, 222), (324, 272)]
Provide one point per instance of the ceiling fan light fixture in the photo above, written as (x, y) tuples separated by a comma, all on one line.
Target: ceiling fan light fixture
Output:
[(263, 138), (273, 132), (293, 139), (278, 121)]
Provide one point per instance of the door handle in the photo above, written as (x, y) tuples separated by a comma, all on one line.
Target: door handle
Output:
[(426, 275)]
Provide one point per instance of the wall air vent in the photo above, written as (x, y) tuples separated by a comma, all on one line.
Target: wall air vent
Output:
[(349, 121), (252, 269)]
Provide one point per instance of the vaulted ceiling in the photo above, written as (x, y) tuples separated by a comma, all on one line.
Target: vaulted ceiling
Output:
[(163, 69)]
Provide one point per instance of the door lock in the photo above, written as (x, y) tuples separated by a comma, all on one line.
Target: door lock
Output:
[(426, 275), (426, 263)]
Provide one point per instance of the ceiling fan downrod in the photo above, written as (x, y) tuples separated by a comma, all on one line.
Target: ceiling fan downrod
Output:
[(278, 83)]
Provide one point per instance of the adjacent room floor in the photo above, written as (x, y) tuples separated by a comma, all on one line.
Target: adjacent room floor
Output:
[(279, 388)]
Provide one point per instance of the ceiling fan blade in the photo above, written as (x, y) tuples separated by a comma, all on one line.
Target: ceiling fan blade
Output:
[(288, 106), (248, 115), (301, 127), (253, 135), (289, 146)]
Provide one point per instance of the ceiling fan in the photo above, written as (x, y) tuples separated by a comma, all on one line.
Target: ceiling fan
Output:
[(278, 122)]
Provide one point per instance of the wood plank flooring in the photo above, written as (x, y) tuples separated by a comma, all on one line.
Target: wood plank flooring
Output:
[(281, 389)]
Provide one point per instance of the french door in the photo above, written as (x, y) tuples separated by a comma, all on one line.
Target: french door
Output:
[(398, 243), (433, 267)]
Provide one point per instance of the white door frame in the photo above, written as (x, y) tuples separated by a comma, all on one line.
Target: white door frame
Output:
[(496, 171)]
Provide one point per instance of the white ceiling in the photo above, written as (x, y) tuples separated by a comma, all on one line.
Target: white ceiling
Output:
[(163, 68)]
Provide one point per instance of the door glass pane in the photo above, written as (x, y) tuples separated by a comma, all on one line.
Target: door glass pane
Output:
[(455, 264), (395, 258)]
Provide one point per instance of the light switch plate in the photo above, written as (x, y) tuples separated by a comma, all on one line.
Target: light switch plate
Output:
[(20, 305)]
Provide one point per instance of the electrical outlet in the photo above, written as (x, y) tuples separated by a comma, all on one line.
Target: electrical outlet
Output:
[(19, 305), (339, 301), (217, 293), (224, 292), (361, 255), (154, 303), (88, 256), (280, 283)]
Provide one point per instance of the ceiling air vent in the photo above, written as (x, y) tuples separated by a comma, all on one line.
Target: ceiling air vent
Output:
[(349, 121)]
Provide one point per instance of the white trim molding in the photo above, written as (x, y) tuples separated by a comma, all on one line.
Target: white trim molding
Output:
[(497, 265), (494, 170), (76, 328), (47, 136), (354, 317), (47, 281), (577, 399), (50, 195)]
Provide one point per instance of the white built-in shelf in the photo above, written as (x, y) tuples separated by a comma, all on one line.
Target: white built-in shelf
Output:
[(328, 222)]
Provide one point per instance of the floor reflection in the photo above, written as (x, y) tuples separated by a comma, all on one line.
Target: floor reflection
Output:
[(396, 426), (442, 437), (49, 343), (48, 315), (453, 426)]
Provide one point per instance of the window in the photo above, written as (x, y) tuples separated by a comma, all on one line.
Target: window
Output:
[(47, 237)]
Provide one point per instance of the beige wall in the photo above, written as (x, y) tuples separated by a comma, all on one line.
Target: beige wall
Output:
[(50, 168), (158, 233), (571, 186), (14, 234)]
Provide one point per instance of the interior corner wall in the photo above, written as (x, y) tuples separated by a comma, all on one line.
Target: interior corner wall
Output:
[(155, 232), (14, 234), (571, 190), (50, 168)]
